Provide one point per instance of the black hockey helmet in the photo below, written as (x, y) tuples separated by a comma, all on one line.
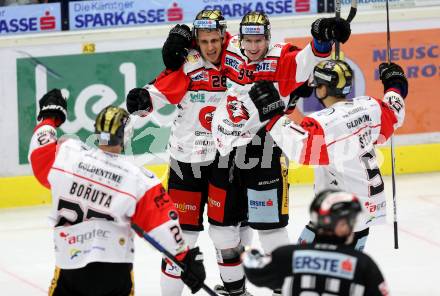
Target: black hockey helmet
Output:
[(110, 126), (337, 75), (255, 23), (330, 206), (209, 19)]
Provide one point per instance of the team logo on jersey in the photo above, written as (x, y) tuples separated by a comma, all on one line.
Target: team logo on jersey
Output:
[(74, 253), (322, 262), (372, 207), (82, 238), (205, 116), (161, 199), (184, 207), (200, 76), (261, 203), (267, 66), (236, 110), (233, 62)]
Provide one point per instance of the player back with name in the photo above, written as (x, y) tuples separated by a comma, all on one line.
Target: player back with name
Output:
[(329, 267)]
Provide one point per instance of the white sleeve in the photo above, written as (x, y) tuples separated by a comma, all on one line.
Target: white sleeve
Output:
[(290, 137)]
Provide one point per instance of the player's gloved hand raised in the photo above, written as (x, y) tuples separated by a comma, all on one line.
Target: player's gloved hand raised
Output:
[(304, 91), (267, 100), (138, 99), (53, 105), (193, 274), (393, 76), (175, 49), (328, 29)]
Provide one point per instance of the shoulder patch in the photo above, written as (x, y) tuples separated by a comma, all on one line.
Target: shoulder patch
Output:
[(147, 173), (275, 50), (193, 56)]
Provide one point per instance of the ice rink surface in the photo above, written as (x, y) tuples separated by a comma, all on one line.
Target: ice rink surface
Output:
[(27, 259)]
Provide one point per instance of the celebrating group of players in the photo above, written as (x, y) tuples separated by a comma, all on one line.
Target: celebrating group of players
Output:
[(230, 145)]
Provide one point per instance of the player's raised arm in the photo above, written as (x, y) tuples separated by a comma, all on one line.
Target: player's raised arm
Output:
[(300, 62), (44, 140), (172, 83), (392, 106)]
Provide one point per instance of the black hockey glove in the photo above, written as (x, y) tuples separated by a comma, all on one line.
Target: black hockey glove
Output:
[(304, 91), (328, 29), (175, 49), (393, 76), (267, 99), (53, 105), (194, 273), (138, 99)]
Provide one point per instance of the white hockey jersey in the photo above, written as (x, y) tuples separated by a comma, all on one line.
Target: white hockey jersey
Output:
[(340, 141), (95, 198), (196, 88), (236, 119)]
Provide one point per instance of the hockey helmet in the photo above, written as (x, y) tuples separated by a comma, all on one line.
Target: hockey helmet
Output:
[(209, 19), (110, 126), (337, 75), (330, 206), (255, 23)]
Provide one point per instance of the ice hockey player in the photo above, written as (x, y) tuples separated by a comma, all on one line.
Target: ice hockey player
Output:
[(96, 196), (196, 179), (239, 133), (340, 139), (328, 267)]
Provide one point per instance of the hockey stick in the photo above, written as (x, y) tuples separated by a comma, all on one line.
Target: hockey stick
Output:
[(351, 15), (170, 256), (338, 16), (353, 10), (393, 160)]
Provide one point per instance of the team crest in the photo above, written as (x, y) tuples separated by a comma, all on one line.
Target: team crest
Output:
[(236, 110), (205, 116)]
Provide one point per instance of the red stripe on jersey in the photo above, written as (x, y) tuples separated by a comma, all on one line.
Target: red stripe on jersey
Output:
[(153, 209), (286, 70), (315, 150), (396, 90), (42, 160), (173, 85), (388, 119), (47, 121), (43, 157), (96, 182), (229, 264), (356, 132)]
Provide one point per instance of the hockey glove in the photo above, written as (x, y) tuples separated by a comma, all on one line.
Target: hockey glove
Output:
[(393, 76), (193, 275), (328, 29), (267, 100), (175, 49), (304, 91), (53, 105), (138, 99)]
